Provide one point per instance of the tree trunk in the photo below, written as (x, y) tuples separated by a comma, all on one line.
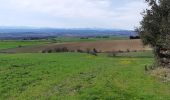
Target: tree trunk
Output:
[(162, 57)]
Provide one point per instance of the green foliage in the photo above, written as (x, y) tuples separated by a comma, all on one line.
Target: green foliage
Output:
[(76, 76), (155, 29), (155, 26)]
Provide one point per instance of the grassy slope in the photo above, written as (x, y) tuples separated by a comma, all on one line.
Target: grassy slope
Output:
[(72, 76), (17, 43)]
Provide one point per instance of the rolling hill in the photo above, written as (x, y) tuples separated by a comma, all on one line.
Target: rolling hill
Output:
[(27, 32)]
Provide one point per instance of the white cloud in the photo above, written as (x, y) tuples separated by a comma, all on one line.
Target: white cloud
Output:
[(63, 8), (72, 13)]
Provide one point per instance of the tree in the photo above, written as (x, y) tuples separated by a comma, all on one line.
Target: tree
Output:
[(155, 30)]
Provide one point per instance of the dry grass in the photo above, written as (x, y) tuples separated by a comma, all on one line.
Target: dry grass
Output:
[(162, 73)]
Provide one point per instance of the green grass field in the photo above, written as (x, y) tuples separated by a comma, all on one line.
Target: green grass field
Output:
[(75, 76), (18, 43), (140, 54)]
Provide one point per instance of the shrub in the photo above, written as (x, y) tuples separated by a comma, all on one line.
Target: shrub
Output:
[(105, 37), (94, 50), (49, 51), (128, 50), (112, 54), (80, 51), (135, 51), (134, 37), (57, 50), (15, 66), (120, 51), (43, 51), (84, 38), (64, 49), (20, 46)]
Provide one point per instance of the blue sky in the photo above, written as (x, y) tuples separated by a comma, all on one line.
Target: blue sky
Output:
[(118, 14)]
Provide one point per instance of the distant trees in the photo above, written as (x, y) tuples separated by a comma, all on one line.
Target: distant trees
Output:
[(102, 36), (84, 38), (59, 49), (65, 49), (134, 37), (80, 51), (92, 37), (155, 30)]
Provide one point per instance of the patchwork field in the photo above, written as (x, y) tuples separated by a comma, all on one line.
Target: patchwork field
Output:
[(75, 76), (103, 46)]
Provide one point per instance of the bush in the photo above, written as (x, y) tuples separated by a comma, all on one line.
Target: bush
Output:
[(112, 54), (57, 50), (84, 38), (128, 50), (20, 46), (72, 51), (64, 49), (49, 51), (94, 50), (80, 51), (43, 51), (134, 37), (120, 51)]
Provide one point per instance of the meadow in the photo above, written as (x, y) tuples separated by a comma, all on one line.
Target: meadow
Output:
[(79, 76), (8, 44)]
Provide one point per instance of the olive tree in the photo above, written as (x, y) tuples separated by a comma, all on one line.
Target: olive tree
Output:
[(154, 30)]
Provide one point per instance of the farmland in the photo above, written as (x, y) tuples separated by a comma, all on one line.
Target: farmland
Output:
[(100, 45), (85, 50), (9, 44), (28, 74)]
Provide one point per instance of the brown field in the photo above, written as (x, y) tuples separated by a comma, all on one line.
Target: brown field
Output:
[(103, 46)]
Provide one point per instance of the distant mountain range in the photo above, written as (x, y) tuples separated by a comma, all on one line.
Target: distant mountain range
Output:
[(31, 32)]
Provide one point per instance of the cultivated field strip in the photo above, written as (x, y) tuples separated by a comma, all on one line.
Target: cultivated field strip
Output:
[(103, 46)]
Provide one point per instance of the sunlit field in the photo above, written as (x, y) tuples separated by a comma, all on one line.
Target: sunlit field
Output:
[(75, 76)]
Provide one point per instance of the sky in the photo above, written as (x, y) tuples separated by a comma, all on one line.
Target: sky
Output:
[(117, 14)]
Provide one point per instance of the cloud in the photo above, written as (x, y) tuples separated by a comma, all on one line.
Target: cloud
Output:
[(72, 13), (62, 8)]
